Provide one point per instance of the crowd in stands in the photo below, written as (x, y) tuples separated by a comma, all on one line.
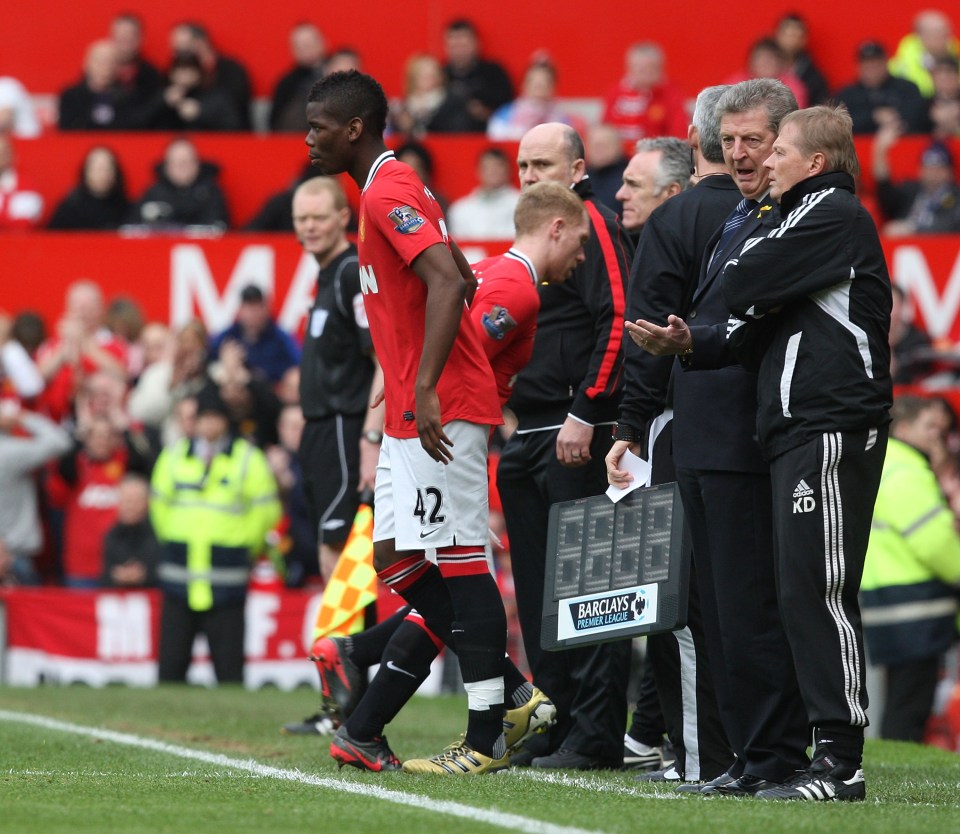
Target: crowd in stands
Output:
[(86, 410), (913, 89)]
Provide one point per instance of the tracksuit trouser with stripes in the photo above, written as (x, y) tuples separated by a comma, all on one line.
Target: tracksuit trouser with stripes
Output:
[(823, 496)]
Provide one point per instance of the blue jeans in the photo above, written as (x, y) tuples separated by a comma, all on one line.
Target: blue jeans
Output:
[(24, 571)]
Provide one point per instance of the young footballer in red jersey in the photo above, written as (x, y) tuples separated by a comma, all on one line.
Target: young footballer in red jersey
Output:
[(552, 227), (439, 395)]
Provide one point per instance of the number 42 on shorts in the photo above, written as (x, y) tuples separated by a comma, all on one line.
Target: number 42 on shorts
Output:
[(429, 505)]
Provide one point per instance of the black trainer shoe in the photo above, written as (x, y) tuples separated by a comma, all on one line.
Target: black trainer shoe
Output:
[(670, 776), (825, 780), (522, 759), (708, 788), (324, 722), (664, 774), (564, 759), (374, 755), (534, 747), (746, 785)]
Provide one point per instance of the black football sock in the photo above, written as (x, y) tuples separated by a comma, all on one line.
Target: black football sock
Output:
[(485, 731), (421, 585), (479, 635), (480, 629), (405, 666), (516, 688), (368, 646)]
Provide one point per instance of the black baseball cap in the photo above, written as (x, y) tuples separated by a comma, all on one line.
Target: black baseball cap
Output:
[(871, 49), (251, 294), (209, 401)]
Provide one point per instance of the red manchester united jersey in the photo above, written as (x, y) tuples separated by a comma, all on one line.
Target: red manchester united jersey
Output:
[(504, 313), (399, 219)]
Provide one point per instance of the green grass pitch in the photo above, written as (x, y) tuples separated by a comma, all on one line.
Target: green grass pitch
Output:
[(185, 759)]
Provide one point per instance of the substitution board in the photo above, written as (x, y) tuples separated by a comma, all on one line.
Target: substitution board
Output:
[(615, 570)]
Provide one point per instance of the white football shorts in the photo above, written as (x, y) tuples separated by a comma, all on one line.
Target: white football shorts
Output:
[(426, 504)]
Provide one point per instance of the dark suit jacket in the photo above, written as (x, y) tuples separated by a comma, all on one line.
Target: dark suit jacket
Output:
[(715, 399), (663, 278)]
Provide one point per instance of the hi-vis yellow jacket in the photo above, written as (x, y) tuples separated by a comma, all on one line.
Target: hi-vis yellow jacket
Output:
[(210, 520), (909, 591), (910, 62)]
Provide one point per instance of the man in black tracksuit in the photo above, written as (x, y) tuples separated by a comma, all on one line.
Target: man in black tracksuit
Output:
[(566, 400), (815, 296)]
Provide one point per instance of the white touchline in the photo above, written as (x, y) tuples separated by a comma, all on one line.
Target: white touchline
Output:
[(514, 822), (593, 784)]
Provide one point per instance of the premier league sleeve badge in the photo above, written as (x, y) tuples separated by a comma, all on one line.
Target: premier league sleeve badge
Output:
[(405, 220)]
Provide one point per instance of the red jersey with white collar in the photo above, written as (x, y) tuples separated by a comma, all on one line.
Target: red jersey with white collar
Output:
[(504, 313), (399, 219)]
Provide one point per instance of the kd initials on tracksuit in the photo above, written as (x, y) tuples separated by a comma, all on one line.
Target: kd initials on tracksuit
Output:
[(803, 500)]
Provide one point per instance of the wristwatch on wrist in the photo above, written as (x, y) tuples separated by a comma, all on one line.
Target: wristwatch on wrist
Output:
[(373, 436), (625, 432)]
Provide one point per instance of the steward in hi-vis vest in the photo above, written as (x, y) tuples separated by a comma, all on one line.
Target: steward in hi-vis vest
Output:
[(909, 592), (213, 500)]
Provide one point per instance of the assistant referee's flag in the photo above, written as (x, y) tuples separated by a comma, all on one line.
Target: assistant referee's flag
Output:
[(353, 583)]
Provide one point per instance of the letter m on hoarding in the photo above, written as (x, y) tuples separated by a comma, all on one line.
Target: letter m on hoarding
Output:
[(123, 627), (938, 306), (192, 285)]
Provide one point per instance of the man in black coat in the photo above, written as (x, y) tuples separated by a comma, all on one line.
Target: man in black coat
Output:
[(929, 204), (186, 192), (138, 77), (724, 480), (662, 281), (876, 98), (484, 85), (227, 75), (308, 48), (99, 101)]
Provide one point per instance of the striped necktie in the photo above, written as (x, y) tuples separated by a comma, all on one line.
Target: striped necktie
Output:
[(734, 221)]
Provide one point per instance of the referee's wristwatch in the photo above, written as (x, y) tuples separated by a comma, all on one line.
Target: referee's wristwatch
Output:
[(373, 436)]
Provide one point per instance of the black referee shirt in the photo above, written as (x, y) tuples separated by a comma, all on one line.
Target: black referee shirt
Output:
[(336, 370)]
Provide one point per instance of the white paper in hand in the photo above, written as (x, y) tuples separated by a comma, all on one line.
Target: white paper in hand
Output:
[(637, 467)]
